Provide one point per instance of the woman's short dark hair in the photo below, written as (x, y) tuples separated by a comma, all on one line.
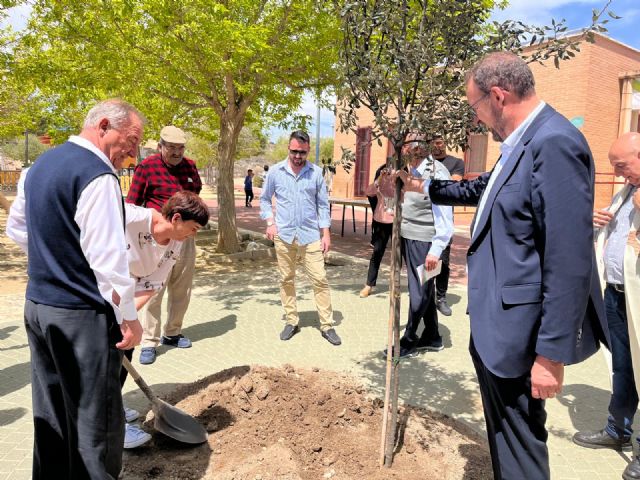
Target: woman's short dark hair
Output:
[(300, 135), (189, 205)]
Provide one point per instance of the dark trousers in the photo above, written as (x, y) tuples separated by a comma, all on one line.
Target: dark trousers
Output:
[(442, 280), (624, 397), (422, 302), (248, 196), (123, 371), (515, 425), (380, 235), (77, 405)]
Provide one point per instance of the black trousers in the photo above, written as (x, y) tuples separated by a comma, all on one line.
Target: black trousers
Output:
[(422, 302), (380, 235), (123, 371), (515, 425), (442, 280), (248, 196), (77, 405)]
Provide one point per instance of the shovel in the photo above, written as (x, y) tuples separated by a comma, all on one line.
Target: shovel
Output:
[(168, 419)]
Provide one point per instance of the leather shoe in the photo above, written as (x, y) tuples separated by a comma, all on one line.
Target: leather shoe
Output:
[(289, 331), (443, 307), (632, 472), (332, 337), (601, 439), (366, 291)]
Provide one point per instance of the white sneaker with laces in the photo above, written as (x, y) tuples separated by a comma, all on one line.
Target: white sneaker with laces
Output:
[(130, 414), (134, 436)]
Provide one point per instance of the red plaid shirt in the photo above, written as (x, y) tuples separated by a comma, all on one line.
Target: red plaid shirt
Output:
[(154, 181)]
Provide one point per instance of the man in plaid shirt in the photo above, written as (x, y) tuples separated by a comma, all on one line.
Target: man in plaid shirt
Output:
[(154, 181)]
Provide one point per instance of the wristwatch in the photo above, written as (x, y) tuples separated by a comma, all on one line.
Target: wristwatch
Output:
[(269, 223)]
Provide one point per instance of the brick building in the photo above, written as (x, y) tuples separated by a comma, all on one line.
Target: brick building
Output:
[(595, 90)]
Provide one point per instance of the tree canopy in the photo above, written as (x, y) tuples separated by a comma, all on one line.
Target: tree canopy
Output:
[(209, 66)]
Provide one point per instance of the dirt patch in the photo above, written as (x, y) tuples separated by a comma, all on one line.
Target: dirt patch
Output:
[(291, 423)]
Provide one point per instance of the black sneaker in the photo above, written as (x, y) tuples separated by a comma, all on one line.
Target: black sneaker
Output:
[(431, 347), (404, 352), (179, 341), (289, 331), (601, 439), (332, 337), (443, 307)]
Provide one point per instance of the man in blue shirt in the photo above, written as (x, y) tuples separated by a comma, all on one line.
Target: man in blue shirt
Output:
[(302, 211)]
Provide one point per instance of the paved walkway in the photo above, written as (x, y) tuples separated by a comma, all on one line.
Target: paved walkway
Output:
[(234, 319)]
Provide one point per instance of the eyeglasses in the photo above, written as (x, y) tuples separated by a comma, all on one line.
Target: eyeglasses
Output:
[(302, 153), (475, 104)]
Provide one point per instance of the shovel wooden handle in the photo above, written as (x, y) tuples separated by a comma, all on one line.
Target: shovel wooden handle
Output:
[(139, 380)]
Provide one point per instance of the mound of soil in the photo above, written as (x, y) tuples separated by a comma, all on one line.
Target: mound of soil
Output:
[(290, 424)]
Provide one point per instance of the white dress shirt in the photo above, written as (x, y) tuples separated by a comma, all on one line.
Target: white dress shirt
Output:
[(442, 214), (99, 216), (506, 148)]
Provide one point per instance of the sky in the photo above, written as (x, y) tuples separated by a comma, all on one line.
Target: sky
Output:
[(577, 14)]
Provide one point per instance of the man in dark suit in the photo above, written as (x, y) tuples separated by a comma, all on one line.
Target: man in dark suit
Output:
[(534, 297)]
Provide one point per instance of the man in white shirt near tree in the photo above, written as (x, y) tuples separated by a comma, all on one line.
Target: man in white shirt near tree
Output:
[(72, 210), (153, 244)]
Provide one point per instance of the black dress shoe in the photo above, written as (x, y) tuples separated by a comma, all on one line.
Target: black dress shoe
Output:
[(288, 332), (332, 337), (632, 472), (601, 439)]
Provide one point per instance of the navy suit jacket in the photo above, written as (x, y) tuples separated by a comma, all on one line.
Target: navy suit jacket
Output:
[(533, 282)]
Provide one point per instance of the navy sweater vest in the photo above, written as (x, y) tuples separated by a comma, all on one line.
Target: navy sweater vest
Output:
[(59, 274)]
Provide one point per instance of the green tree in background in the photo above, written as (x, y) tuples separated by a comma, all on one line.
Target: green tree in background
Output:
[(204, 65)]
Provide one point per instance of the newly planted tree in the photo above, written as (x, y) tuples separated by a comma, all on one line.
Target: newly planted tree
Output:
[(405, 61)]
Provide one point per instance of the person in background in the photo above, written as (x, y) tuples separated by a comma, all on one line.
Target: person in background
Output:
[(455, 166), (618, 251), (248, 188), (154, 181), (302, 211), (426, 230), (381, 225)]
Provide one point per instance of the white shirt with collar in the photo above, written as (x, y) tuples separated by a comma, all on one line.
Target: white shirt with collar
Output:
[(442, 214), (506, 148), (102, 239)]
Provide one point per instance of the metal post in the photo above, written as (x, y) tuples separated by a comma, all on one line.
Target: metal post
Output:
[(318, 130), (26, 148)]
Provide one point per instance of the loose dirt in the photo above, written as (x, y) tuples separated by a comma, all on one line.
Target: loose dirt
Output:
[(290, 423)]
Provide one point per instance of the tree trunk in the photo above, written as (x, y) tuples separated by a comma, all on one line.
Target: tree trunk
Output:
[(390, 417), (227, 229), (4, 203)]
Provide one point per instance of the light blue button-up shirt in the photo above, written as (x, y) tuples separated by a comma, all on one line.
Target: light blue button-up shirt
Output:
[(302, 202), (619, 227)]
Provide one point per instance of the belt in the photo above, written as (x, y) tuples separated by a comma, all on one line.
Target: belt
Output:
[(617, 287)]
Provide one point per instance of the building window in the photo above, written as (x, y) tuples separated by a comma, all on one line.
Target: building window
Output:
[(475, 156), (363, 159)]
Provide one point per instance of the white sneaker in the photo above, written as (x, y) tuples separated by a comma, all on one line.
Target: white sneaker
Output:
[(130, 414), (134, 436)]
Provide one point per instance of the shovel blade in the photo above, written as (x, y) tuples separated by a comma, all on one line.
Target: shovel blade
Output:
[(176, 424)]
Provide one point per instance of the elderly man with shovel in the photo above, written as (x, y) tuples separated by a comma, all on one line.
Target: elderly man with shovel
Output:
[(153, 244)]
